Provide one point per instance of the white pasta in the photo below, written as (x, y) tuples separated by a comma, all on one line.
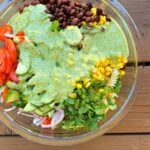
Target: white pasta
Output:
[(113, 79)]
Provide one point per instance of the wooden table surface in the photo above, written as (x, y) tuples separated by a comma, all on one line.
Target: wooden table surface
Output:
[(133, 132)]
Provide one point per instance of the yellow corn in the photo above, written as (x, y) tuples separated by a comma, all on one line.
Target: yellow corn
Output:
[(100, 90), (73, 95), (94, 11), (119, 65), (122, 73), (102, 70), (83, 23), (79, 86)]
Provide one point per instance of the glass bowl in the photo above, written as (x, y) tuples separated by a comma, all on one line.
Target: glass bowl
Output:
[(131, 82)]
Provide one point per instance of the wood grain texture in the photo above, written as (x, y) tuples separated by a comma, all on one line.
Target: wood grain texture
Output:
[(131, 142), (140, 12), (138, 119)]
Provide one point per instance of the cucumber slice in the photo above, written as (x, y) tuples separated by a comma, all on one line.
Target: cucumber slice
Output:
[(11, 85), (22, 69), (45, 109), (73, 35), (38, 112), (12, 96), (24, 63), (29, 107)]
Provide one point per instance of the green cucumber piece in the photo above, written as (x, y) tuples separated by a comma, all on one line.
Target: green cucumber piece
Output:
[(22, 69), (38, 112), (45, 109), (29, 107), (12, 96), (11, 85)]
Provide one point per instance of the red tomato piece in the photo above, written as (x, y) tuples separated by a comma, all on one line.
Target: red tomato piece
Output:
[(9, 61), (4, 29), (3, 60), (46, 120), (10, 45), (13, 76), (3, 78)]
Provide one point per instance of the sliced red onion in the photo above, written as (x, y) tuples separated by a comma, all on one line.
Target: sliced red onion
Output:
[(10, 109), (46, 126), (57, 118), (8, 35)]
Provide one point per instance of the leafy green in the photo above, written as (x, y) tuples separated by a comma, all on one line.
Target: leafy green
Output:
[(55, 26)]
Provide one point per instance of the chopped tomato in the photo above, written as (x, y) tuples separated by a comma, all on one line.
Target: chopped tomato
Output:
[(4, 29), (13, 76), (3, 62), (5, 92), (9, 62), (3, 78), (46, 120), (20, 33), (10, 45)]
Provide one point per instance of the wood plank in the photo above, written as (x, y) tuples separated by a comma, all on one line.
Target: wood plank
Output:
[(131, 142), (138, 119), (140, 12)]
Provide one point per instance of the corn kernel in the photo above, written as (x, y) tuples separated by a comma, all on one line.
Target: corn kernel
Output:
[(102, 70), (103, 19), (94, 11), (119, 66), (97, 64), (87, 84), (79, 86), (83, 23), (124, 60), (108, 69), (74, 84), (73, 95), (122, 73), (107, 73), (100, 90)]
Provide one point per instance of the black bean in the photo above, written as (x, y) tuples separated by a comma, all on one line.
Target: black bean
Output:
[(64, 24), (79, 24), (44, 1), (60, 14), (72, 12), (72, 4), (52, 8), (21, 9), (89, 13), (68, 9), (48, 6), (52, 18), (61, 19), (97, 18), (86, 8), (88, 19), (108, 19), (80, 15), (47, 11), (52, 1), (74, 21), (59, 3), (99, 11), (65, 1), (84, 18), (89, 4)]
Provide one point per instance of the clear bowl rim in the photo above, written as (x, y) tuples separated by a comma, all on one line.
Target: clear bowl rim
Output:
[(47, 140)]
